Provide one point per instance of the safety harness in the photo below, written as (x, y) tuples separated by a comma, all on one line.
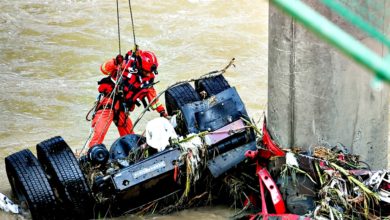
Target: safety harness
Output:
[(132, 91)]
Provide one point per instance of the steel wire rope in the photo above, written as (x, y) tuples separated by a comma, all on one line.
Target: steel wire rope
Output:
[(132, 25), (119, 31)]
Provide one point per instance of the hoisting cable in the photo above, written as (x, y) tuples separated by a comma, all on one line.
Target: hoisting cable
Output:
[(119, 31), (205, 76), (132, 24)]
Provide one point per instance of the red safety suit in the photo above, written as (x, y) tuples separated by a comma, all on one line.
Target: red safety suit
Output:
[(135, 88)]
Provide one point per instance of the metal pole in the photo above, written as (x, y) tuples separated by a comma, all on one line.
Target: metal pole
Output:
[(336, 36)]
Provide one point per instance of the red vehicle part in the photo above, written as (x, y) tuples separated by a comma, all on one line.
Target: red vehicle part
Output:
[(269, 144), (265, 179)]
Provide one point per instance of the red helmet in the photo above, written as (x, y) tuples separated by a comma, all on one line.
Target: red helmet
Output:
[(149, 61), (109, 67)]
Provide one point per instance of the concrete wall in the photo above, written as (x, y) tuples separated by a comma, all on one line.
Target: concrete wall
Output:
[(316, 96)]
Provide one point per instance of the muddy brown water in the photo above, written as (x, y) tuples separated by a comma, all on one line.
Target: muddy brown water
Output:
[(51, 52)]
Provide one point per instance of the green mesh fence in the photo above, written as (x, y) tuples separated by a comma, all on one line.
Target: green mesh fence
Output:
[(370, 16), (367, 15)]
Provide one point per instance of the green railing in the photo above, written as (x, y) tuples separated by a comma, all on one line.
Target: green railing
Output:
[(337, 37)]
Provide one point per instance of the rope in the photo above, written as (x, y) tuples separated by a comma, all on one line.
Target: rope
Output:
[(90, 111), (119, 31), (132, 23)]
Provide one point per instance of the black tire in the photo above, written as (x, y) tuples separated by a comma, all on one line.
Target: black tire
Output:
[(66, 176), (30, 185), (178, 96), (211, 86)]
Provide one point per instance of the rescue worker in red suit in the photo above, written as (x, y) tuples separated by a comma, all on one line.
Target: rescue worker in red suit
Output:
[(138, 71)]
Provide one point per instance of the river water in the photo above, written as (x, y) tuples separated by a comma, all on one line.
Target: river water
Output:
[(51, 51)]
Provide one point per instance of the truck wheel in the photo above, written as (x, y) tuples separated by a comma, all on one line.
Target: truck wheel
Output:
[(178, 96), (211, 86), (30, 185), (66, 176)]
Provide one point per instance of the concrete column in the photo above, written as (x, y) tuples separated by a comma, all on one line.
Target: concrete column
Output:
[(316, 96)]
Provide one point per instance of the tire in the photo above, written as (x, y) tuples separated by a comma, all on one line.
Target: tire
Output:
[(30, 185), (178, 96), (212, 86), (66, 176)]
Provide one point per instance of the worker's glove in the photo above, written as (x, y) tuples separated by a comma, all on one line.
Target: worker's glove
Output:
[(105, 88), (128, 55), (164, 114), (119, 59)]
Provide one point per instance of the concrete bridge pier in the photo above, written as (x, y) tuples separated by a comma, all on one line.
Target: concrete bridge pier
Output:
[(317, 96)]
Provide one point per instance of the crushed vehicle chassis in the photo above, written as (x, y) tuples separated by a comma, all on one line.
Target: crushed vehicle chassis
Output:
[(57, 185)]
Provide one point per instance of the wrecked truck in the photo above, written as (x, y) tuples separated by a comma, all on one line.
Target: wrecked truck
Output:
[(210, 128)]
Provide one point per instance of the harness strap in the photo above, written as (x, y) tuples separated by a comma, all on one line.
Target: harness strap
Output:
[(103, 107)]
